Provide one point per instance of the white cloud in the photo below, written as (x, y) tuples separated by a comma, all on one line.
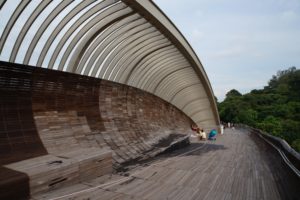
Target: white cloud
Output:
[(241, 44), (289, 16)]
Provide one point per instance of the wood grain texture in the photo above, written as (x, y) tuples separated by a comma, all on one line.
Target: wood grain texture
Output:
[(51, 116), (238, 165)]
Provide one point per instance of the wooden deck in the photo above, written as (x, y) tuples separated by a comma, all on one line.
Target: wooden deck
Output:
[(238, 165)]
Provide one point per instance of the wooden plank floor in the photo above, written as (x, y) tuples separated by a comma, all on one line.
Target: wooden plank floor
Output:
[(238, 165)]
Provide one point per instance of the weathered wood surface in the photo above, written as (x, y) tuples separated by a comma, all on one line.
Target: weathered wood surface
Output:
[(49, 172), (238, 165)]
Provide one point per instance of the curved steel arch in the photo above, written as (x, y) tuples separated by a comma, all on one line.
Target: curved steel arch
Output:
[(89, 32), (87, 15), (126, 52), (146, 57), (118, 41), (158, 76), (26, 27), (15, 16), (60, 26), (187, 76), (153, 56), (167, 63), (112, 41), (59, 8), (184, 87), (163, 75), (193, 94), (197, 106), (138, 52), (123, 51), (126, 41), (91, 51)]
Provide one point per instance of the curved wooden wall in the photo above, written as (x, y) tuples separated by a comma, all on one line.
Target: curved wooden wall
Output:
[(47, 112)]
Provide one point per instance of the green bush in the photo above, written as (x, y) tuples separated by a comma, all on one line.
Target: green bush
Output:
[(274, 109), (296, 145)]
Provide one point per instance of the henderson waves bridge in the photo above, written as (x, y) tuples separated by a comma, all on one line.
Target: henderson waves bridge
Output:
[(97, 99)]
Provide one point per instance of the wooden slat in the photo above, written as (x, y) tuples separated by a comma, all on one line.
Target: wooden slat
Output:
[(233, 167)]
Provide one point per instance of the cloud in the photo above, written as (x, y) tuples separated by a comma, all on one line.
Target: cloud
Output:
[(241, 44), (289, 16), (229, 52)]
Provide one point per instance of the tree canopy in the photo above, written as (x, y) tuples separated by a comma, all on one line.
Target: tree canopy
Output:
[(274, 109)]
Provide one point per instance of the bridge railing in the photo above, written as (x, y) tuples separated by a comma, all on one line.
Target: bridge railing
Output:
[(290, 156)]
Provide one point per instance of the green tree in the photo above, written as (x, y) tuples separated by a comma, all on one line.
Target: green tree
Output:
[(248, 116), (274, 109), (271, 125)]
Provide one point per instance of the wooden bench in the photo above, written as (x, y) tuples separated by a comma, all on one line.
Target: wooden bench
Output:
[(54, 171)]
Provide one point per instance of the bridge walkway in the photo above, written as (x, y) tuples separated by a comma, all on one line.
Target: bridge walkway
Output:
[(238, 165)]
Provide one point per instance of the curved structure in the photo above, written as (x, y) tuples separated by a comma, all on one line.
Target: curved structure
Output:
[(129, 42), (90, 86)]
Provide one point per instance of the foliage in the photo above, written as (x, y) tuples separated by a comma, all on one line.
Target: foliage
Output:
[(296, 145), (274, 109)]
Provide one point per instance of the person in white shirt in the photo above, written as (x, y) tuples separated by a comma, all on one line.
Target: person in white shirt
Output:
[(202, 135)]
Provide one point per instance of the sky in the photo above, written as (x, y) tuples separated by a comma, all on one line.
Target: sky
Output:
[(240, 43)]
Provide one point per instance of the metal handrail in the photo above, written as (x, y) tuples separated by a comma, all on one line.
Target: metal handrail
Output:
[(288, 154)]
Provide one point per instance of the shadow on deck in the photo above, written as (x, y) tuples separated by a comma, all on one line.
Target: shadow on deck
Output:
[(239, 165)]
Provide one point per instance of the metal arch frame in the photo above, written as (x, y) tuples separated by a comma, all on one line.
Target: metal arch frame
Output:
[(90, 36), (90, 51), (127, 78), (126, 75), (191, 101), (83, 66), (187, 86), (155, 56), (122, 52), (135, 54), (97, 47), (162, 62), (165, 94), (157, 76), (198, 111), (86, 16), (162, 59), (169, 83), (197, 106), (38, 10), (182, 87), (113, 72), (150, 71), (120, 37), (89, 32), (186, 77), (104, 48), (167, 73), (196, 103), (148, 56), (193, 95), (11, 22), (59, 8), (203, 116), (2, 2), (205, 120), (154, 59), (75, 11), (152, 12)]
